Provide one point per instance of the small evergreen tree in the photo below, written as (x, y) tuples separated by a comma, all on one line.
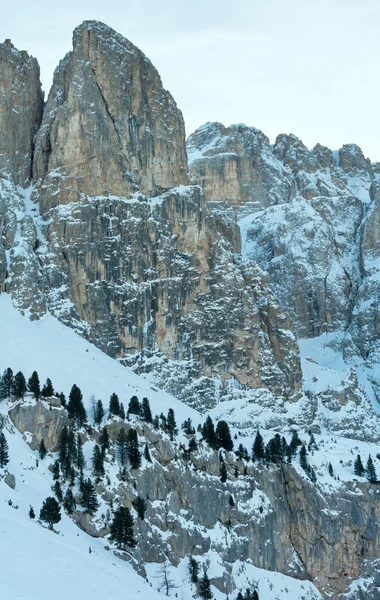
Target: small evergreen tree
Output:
[(134, 455), (75, 407), (331, 470), (56, 471), (122, 411), (208, 432), (371, 471), (274, 450), (223, 436), (187, 427), (223, 473), (62, 398), (121, 446), (4, 453), (32, 514), (69, 502), (242, 452), (104, 439), (205, 587), (193, 446), (121, 528), (258, 448), (114, 406), (99, 413), (47, 390), (6, 383), (231, 501), (146, 412), (358, 466), (194, 568), (34, 385), (80, 460), (134, 406), (58, 491), (147, 453), (88, 497), (156, 422), (42, 449), (97, 463), (140, 506), (303, 459), (294, 442), (19, 385), (171, 424), (50, 512)]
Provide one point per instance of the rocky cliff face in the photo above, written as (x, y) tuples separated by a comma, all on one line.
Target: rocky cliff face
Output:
[(130, 265), (21, 103)]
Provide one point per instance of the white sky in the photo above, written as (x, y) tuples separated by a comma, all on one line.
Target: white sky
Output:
[(308, 67)]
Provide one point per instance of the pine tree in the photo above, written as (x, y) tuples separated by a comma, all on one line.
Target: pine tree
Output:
[(242, 452), (193, 446), (140, 506), (122, 411), (134, 406), (194, 568), (75, 407), (63, 448), (50, 512), (121, 446), (58, 491), (303, 459), (104, 439), (294, 442), (331, 470), (208, 432), (146, 412), (231, 501), (97, 463), (171, 424), (312, 443), (99, 412), (47, 390), (34, 385), (32, 514), (258, 449), (56, 471), (19, 385), (223, 436), (42, 449), (205, 587), (223, 473), (62, 398), (358, 466), (371, 471), (121, 528), (134, 455), (147, 453), (6, 383), (80, 460), (156, 422), (69, 502), (88, 497), (4, 454), (274, 450), (114, 406)]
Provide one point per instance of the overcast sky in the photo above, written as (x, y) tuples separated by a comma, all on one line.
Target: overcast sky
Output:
[(308, 67)]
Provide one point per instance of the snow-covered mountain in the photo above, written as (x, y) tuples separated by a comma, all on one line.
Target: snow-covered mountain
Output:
[(245, 290)]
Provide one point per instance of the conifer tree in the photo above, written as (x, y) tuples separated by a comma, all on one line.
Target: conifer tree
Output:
[(122, 446), (122, 411), (56, 471), (208, 432), (75, 406), (147, 453), (140, 506), (194, 569), (99, 412), (258, 448), (223, 473), (97, 463), (47, 390), (114, 406), (80, 460), (205, 587), (6, 383), (104, 439), (294, 442), (371, 471), (19, 385), (331, 470), (146, 411), (171, 424), (156, 422), (231, 501), (274, 450), (88, 497), (134, 455), (69, 502), (42, 449), (121, 528), (34, 385), (242, 452), (134, 406), (193, 446), (32, 514), (358, 466), (4, 453), (223, 436), (58, 491), (50, 512), (62, 398), (303, 459)]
